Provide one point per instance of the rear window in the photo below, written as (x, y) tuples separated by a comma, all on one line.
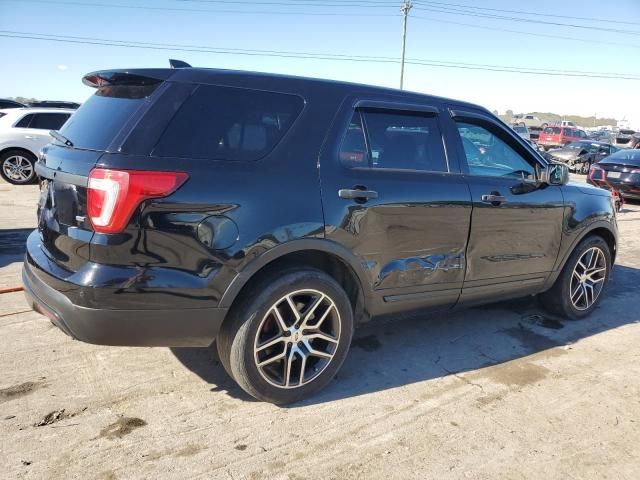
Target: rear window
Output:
[(227, 123), (626, 157), (552, 130), (97, 122)]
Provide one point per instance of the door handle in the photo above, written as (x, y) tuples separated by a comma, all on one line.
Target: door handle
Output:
[(494, 198), (357, 194)]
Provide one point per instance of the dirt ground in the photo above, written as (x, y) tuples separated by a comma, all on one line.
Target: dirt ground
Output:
[(498, 392)]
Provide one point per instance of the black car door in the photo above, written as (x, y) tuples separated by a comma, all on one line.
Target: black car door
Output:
[(516, 224), (392, 195)]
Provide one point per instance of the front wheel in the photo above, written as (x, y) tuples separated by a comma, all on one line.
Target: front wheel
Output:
[(288, 336), (578, 289), (18, 167)]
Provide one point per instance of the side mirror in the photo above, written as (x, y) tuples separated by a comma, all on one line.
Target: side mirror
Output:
[(555, 174)]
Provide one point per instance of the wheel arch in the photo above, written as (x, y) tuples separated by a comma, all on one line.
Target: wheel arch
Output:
[(22, 149), (332, 258), (602, 229)]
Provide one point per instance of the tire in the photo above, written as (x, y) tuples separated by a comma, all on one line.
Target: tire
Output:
[(18, 167), (255, 346), (558, 298)]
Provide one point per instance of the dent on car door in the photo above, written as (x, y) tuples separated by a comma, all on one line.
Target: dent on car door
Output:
[(389, 197), (516, 224)]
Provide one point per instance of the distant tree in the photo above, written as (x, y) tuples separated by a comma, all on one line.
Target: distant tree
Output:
[(23, 99)]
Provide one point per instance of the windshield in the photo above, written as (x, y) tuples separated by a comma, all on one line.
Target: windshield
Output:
[(577, 145), (97, 122)]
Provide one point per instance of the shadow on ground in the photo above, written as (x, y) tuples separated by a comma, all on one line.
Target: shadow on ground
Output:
[(391, 354), (13, 245)]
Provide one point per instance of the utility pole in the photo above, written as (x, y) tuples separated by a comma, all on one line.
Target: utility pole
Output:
[(406, 6)]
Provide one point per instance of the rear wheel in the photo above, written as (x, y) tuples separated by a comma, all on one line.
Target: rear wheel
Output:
[(288, 336), (18, 167), (578, 289)]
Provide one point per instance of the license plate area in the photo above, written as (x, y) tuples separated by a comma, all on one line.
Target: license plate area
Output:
[(614, 174)]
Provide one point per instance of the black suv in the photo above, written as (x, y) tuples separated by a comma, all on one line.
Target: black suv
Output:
[(272, 214)]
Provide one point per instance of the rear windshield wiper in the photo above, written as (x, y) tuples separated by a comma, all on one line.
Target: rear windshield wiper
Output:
[(61, 138)]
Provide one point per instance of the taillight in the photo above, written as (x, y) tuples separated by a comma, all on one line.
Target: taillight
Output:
[(113, 195)]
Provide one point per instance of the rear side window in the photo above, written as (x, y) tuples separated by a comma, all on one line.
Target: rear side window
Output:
[(567, 132), (97, 122), (226, 123), (24, 122), (48, 121), (396, 140)]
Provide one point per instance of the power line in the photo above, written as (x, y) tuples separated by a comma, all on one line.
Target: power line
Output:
[(301, 3), (203, 10), (523, 12), (310, 55), (520, 32), (457, 11)]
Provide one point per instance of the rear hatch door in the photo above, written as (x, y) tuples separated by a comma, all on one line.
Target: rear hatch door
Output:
[(99, 126)]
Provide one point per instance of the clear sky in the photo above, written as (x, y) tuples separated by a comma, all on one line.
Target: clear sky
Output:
[(53, 70)]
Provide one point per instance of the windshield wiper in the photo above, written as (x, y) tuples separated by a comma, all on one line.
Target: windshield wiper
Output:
[(61, 138)]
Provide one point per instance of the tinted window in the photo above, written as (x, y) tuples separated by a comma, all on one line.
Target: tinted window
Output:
[(227, 123), (489, 155), (567, 132), (353, 150), (552, 130), (24, 122), (405, 141), (96, 123), (48, 121)]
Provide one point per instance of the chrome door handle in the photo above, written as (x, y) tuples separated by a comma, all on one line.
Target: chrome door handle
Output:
[(494, 199), (356, 194)]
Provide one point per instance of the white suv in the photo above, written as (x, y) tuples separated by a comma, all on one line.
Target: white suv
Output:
[(23, 132)]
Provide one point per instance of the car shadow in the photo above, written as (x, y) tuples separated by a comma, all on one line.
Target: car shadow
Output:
[(389, 354), (13, 245)]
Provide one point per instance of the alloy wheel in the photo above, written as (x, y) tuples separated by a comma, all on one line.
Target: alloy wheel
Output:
[(588, 278), (18, 168), (297, 338)]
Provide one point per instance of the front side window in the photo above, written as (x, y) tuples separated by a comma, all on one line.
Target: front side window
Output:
[(225, 123), (49, 121), (407, 141), (489, 155)]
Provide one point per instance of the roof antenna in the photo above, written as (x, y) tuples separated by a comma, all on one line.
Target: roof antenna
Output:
[(178, 64)]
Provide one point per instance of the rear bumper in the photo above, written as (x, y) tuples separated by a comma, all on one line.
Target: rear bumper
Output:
[(182, 327)]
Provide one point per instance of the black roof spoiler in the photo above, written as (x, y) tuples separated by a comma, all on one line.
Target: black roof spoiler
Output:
[(140, 77), (178, 63)]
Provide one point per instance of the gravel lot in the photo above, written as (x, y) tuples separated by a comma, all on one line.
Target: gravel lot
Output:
[(503, 391)]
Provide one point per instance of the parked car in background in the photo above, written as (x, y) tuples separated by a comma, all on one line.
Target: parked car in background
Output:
[(523, 131), (6, 103), (23, 133), (620, 171), (626, 138), (600, 136), (566, 123), (555, 137), (579, 156), (530, 121), (273, 214), (55, 104)]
